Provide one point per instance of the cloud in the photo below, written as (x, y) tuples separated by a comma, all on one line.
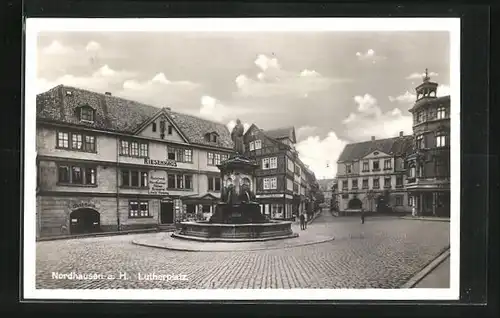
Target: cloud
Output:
[(409, 98), (92, 46), (369, 56), (101, 80), (369, 120), (159, 90), (417, 75), (321, 154), (305, 131), (273, 80), (213, 109), (56, 48)]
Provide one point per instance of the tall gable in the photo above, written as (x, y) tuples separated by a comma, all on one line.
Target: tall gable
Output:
[(161, 126), (117, 114)]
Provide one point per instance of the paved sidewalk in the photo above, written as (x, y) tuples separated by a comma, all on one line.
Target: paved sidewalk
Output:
[(438, 278)]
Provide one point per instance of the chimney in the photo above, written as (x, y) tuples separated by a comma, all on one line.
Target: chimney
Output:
[(400, 134), (373, 138), (107, 93)]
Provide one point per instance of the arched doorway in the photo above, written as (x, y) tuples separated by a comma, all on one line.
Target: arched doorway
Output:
[(355, 204), (84, 221)]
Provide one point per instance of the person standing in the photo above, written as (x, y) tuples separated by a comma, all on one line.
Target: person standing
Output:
[(362, 216), (302, 221), (306, 217)]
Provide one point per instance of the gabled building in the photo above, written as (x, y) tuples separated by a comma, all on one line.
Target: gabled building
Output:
[(107, 164), (282, 178), (428, 181), (371, 175)]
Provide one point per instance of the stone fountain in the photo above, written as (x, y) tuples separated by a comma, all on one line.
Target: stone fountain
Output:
[(238, 216)]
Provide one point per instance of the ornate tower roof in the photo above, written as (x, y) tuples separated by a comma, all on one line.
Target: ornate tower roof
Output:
[(427, 89)]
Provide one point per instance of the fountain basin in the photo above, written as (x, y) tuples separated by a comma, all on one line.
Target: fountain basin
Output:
[(219, 232)]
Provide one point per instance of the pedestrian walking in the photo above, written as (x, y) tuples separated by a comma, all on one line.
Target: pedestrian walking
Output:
[(302, 222), (362, 216), (306, 217)]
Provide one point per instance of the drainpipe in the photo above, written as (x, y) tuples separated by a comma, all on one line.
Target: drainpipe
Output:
[(118, 183)]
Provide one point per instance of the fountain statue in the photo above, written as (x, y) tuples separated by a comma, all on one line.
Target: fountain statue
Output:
[(238, 215)]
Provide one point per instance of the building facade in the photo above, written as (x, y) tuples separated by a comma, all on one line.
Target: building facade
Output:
[(428, 180), (108, 164), (371, 176), (325, 186), (282, 179)]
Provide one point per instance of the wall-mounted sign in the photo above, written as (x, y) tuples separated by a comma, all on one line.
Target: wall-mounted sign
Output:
[(158, 182), (166, 162), (263, 196), (83, 205)]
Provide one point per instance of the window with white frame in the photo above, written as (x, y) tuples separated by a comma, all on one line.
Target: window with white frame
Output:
[(413, 172), (133, 148), (348, 168), (270, 183), (420, 141), (251, 146), (344, 184), (269, 163), (134, 178), (441, 140), (138, 209), (180, 154), (376, 183), (76, 141), (387, 164), (366, 166), (441, 112), (258, 144)]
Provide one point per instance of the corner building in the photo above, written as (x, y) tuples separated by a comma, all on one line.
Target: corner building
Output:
[(371, 176), (428, 181), (282, 181), (109, 164)]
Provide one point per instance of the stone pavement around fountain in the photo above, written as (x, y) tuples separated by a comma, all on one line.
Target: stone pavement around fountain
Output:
[(382, 253), (164, 240)]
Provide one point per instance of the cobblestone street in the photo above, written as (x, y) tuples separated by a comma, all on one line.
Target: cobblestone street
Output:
[(382, 253)]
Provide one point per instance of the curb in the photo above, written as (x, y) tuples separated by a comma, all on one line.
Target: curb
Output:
[(425, 219), (426, 270), (180, 249), (93, 235)]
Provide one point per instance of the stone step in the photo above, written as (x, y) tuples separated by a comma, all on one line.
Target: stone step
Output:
[(166, 227)]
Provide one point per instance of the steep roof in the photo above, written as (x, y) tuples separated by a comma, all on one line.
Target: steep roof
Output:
[(396, 146), (122, 115), (279, 133)]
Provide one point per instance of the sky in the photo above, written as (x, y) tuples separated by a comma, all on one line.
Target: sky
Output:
[(334, 87)]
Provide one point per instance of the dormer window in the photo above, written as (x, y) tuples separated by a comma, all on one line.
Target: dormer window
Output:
[(87, 113), (211, 137)]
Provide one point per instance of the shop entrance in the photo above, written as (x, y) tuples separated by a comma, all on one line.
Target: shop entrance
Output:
[(84, 221), (355, 204), (167, 212)]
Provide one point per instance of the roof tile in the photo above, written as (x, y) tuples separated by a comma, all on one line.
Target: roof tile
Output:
[(121, 115)]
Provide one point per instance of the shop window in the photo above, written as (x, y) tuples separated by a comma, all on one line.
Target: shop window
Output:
[(138, 209)]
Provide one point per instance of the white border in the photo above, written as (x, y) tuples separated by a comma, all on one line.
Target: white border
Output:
[(37, 25)]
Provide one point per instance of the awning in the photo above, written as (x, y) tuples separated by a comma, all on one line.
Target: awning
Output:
[(199, 198)]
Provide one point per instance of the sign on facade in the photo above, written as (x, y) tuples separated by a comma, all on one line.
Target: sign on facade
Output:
[(82, 205), (158, 182), (166, 162)]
